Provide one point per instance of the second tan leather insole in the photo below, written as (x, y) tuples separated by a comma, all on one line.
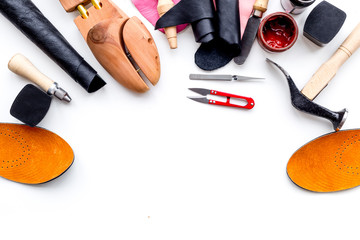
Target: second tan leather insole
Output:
[(329, 163)]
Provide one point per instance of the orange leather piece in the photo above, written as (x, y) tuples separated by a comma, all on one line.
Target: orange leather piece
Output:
[(32, 155), (329, 163)]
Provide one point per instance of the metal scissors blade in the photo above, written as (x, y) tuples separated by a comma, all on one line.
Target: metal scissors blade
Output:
[(201, 91), (199, 99)]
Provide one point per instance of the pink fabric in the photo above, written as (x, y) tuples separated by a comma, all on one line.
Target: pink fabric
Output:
[(148, 8), (246, 7)]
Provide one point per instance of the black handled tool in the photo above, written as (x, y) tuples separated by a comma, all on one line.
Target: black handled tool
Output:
[(251, 30)]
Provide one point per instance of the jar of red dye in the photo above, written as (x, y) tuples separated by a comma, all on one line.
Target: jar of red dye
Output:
[(278, 32)]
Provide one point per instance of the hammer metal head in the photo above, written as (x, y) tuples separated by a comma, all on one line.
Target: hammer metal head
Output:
[(302, 103)]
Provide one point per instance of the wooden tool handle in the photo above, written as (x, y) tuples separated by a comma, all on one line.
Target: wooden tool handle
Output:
[(352, 42), (328, 70), (164, 6), (171, 32), (261, 5), (20, 65)]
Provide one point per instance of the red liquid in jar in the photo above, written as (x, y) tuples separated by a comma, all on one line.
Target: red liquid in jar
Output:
[(278, 32)]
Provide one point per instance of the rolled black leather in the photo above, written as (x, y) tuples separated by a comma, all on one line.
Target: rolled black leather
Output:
[(34, 25), (218, 30)]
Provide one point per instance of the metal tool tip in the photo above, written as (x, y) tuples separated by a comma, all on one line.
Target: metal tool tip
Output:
[(67, 98), (279, 67), (268, 60), (61, 94), (344, 113)]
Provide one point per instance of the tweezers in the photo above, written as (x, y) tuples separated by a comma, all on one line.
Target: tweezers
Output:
[(220, 77)]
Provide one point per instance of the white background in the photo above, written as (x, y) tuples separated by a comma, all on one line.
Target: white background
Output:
[(160, 166)]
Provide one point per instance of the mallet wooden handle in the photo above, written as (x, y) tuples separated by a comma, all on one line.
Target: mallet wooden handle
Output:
[(170, 32), (328, 70), (20, 65)]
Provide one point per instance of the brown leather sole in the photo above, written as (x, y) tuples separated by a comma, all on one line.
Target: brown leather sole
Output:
[(32, 155), (328, 163)]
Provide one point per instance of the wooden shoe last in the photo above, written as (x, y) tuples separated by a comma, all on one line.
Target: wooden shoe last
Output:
[(122, 45)]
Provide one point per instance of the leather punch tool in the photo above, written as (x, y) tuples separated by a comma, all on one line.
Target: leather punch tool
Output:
[(118, 42), (204, 92)]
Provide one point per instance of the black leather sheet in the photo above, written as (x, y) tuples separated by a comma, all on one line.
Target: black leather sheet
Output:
[(32, 23), (216, 27)]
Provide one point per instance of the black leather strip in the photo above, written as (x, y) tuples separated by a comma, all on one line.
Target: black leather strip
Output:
[(34, 25), (226, 46), (229, 23)]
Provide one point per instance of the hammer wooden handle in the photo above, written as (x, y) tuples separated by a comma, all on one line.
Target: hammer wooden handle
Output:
[(170, 32), (20, 65), (328, 70)]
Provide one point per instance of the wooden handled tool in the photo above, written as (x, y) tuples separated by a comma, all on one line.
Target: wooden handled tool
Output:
[(20, 65), (122, 45), (171, 32), (328, 70)]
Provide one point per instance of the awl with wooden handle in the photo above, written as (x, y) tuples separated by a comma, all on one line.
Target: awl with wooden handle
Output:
[(327, 71), (20, 65), (170, 32)]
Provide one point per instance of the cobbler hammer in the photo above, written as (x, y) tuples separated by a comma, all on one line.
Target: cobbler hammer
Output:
[(304, 104)]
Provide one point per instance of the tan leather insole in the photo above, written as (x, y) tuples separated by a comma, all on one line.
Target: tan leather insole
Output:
[(32, 155), (328, 163)]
